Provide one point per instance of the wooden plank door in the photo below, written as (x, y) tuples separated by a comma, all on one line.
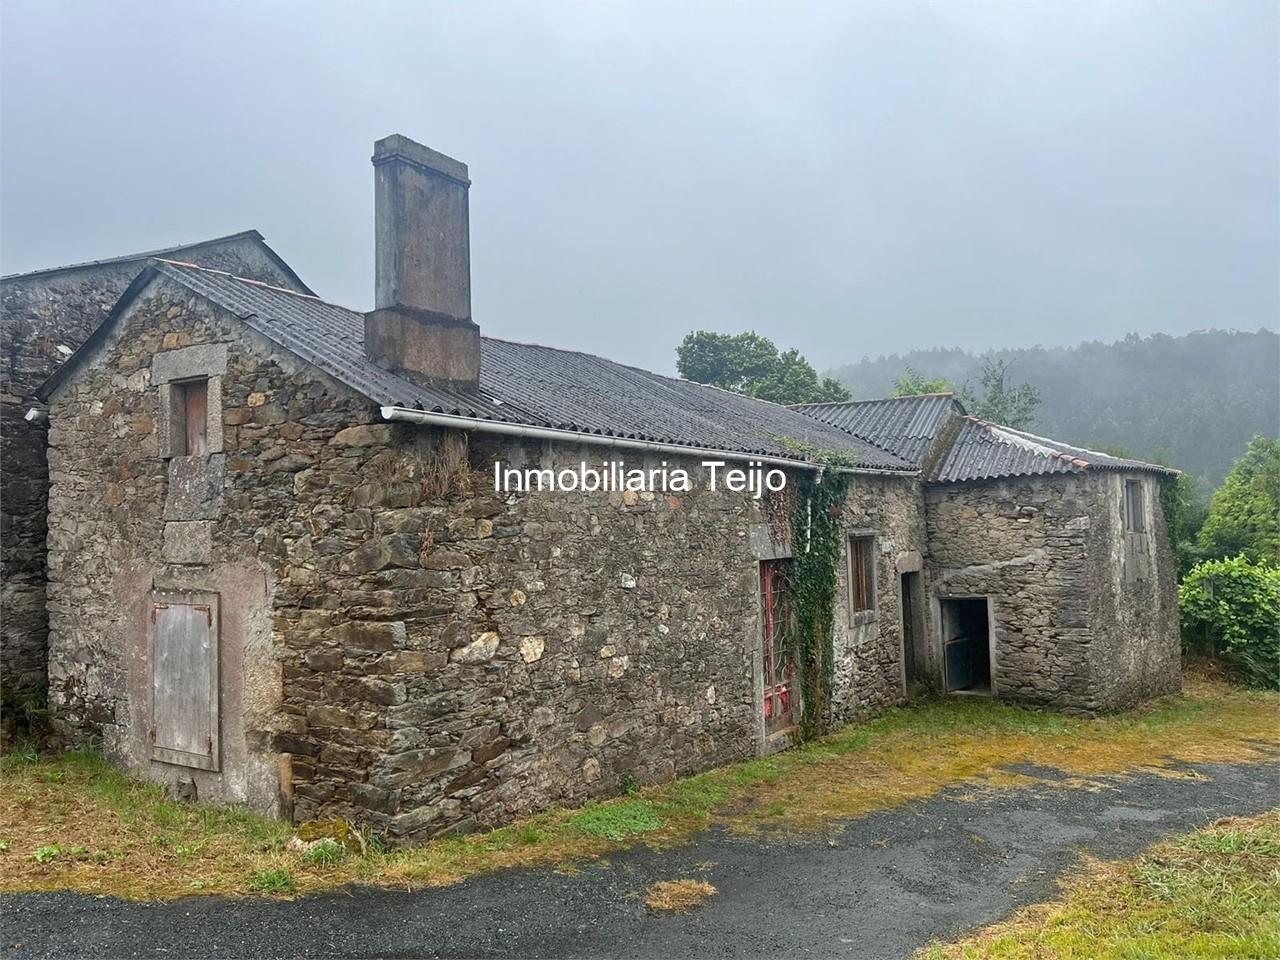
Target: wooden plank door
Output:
[(184, 681)]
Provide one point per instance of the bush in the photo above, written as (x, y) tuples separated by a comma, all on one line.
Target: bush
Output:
[(1231, 609)]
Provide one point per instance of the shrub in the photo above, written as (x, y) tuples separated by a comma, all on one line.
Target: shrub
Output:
[(1231, 608)]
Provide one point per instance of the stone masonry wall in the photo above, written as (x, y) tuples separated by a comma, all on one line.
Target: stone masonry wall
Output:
[(1022, 542), (402, 646), (1133, 597), (44, 318), (868, 647)]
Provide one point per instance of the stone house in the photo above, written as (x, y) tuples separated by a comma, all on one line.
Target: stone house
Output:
[(44, 316), (287, 563)]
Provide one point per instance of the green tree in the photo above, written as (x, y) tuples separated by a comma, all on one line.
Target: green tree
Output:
[(751, 364), (1231, 608), (914, 384), (1244, 514), (1000, 401)]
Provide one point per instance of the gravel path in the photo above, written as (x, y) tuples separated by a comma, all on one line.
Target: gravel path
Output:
[(881, 886)]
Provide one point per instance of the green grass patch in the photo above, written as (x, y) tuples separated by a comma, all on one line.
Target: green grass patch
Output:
[(618, 820), (1214, 893), (324, 853), (272, 881)]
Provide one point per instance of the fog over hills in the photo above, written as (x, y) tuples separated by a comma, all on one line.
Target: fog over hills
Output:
[(1194, 400)]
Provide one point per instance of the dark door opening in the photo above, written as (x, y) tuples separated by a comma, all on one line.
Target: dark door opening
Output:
[(913, 652), (966, 637)]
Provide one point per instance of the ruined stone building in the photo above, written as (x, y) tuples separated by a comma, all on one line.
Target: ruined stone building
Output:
[(278, 565), (46, 315)]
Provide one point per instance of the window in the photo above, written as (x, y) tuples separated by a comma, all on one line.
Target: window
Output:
[(184, 679), (862, 574), (190, 418), (1134, 519)]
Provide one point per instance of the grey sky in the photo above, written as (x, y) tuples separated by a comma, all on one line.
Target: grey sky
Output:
[(848, 180)]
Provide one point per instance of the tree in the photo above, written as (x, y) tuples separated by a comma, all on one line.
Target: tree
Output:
[(1001, 402), (1244, 514), (914, 384), (750, 364)]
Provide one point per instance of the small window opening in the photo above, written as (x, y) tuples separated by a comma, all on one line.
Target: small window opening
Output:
[(190, 418), (862, 574), (1133, 512)]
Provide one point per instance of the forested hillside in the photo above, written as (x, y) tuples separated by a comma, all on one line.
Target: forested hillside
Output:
[(1195, 400)]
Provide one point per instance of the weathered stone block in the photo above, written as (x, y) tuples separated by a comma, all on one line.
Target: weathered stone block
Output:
[(188, 541)]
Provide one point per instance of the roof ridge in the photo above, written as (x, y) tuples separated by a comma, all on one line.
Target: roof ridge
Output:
[(187, 265), (854, 403), (130, 257)]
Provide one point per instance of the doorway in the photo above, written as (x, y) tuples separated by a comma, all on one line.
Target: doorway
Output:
[(775, 620), (914, 668), (966, 645)]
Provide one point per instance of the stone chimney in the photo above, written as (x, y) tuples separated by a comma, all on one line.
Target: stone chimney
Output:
[(421, 324)]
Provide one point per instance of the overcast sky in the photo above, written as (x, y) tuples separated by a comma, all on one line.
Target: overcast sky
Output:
[(850, 180)]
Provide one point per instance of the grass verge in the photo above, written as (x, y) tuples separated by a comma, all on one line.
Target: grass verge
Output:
[(1214, 893), (74, 822)]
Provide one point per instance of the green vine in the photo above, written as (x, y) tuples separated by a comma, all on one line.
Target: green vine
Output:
[(816, 534)]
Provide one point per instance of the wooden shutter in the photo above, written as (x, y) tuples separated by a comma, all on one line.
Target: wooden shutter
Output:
[(184, 679), (861, 574), (1134, 515), (196, 413)]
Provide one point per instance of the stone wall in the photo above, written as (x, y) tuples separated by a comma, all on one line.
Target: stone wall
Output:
[(1021, 542), (1049, 552), (1133, 597), (46, 316), (402, 645), (868, 646)]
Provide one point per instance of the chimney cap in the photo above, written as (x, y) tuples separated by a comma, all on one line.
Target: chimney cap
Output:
[(399, 147)]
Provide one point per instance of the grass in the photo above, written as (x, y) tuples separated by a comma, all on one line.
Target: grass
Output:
[(119, 836), (617, 820), (1213, 893), (678, 896)]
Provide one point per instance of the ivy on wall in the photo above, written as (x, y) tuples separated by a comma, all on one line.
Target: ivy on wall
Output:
[(816, 534)]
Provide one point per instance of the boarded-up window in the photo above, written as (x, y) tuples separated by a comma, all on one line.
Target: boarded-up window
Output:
[(1134, 519), (862, 574), (184, 679), (189, 418)]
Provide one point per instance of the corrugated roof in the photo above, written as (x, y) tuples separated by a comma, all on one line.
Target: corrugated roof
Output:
[(169, 252), (525, 383), (906, 426), (987, 451)]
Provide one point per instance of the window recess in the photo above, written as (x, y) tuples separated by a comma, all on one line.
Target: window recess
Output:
[(862, 574)]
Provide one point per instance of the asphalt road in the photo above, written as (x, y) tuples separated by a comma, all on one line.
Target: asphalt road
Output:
[(880, 887)]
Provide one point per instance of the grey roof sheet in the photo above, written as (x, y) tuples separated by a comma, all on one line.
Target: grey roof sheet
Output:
[(987, 451), (168, 252), (533, 385), (906, 426)]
